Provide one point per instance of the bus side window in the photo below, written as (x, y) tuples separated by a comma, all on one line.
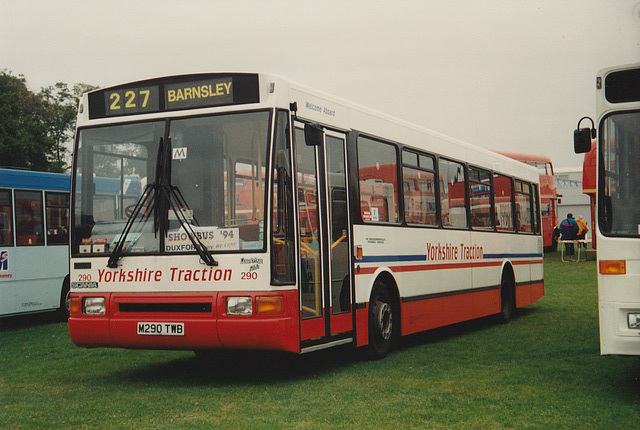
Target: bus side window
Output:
[(502, 198), (282, 214), (418, 177), (536, 210), (452, 196), (6, 224), (378, 179), (523, 207), (480, 190), (57, 218), (29, 216)]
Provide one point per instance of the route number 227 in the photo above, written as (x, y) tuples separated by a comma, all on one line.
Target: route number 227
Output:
[(131, 99)]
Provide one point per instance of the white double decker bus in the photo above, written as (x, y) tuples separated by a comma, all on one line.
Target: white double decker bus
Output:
[(275, 217), (617, 226)]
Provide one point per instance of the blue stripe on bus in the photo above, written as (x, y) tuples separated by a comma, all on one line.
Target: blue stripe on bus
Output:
[(532, 255), (392, 258)]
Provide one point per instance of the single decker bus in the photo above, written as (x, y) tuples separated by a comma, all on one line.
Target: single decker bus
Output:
[(548, 195), (34, 242), (612, 172), (272, 216)]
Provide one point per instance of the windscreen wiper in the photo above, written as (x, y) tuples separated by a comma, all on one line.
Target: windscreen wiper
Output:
[(176, 204), (146, 199)]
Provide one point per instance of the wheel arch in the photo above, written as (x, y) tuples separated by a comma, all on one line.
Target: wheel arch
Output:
[(386, 277), (508, 294), (63, 310), (507, 268)]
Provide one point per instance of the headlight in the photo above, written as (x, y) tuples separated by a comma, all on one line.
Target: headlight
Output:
[(94, 306), (239, 306), (633, 320)]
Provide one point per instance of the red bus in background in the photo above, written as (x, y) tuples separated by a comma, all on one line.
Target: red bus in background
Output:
[(589, 185), (548, 195)]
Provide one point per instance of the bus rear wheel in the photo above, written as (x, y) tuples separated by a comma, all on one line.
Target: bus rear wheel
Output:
[(381, 322), (507, 298)]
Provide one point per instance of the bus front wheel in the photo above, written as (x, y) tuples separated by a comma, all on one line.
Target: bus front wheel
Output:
[(381, 322), (63, 310)]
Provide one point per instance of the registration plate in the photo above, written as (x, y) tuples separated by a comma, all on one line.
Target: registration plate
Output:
[(160, 329)]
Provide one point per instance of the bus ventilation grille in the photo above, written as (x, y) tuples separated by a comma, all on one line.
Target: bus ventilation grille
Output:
[(166, 307)]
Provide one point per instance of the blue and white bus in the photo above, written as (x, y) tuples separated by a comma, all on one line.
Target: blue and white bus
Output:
[(34, 242)]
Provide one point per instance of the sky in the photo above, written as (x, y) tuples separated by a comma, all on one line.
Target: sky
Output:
[(513, 75)]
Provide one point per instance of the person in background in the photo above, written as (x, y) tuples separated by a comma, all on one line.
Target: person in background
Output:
[(29, 229), (569, 231), (582, 229)]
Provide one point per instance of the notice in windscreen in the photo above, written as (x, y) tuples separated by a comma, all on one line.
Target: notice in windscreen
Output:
[(215, 239)]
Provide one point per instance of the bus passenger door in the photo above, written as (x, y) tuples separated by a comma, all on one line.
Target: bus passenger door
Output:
[(324, 242), (341, 319)]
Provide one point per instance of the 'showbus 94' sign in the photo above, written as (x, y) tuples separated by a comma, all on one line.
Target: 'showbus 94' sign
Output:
[(182, 92)]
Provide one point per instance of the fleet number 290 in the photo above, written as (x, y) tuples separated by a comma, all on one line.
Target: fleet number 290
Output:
[(249, 275)]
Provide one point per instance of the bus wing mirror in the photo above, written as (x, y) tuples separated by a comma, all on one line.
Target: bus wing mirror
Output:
[(313, 134), (582, 137)]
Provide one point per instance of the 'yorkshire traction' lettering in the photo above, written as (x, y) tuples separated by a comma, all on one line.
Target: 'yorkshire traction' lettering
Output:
[(451, 252), (175, 275)]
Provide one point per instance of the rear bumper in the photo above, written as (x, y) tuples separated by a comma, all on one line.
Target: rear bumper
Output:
[(206, 324), (616, 338)]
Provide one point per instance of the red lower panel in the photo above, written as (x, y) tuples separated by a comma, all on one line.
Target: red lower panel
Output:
[(211, 329), (313, 328), (528, 294), (430, 313), (436, 312), (362, 325), (341, 323)]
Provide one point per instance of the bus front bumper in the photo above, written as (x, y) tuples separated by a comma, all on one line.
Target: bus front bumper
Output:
[(193, 321)]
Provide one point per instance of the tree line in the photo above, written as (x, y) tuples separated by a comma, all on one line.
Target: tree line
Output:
[(36, 128)]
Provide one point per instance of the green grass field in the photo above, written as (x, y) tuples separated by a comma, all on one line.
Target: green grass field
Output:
[(541, 371)]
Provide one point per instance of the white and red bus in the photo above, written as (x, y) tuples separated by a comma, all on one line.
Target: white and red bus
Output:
[(276, 217), (616, 156), (548, 195)]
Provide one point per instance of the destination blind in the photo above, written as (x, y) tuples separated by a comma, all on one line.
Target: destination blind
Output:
[(185, 92), (196, 94), (623, 86)]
